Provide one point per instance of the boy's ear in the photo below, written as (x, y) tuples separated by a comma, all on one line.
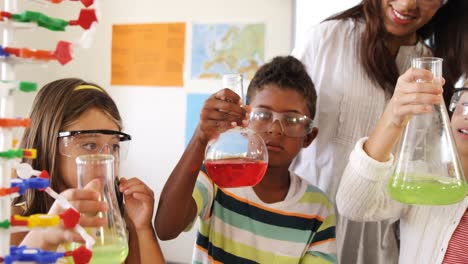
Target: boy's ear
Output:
[(310, 137)]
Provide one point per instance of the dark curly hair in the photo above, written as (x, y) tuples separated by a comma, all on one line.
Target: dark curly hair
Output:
[(286, 72)]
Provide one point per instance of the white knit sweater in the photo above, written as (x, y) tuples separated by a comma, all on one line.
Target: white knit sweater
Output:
[(425, 231)]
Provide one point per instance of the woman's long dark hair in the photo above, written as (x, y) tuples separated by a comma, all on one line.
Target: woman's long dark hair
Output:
[(445, 34)]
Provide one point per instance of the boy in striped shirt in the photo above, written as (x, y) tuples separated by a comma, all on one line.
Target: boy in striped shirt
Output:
[(282, 219)]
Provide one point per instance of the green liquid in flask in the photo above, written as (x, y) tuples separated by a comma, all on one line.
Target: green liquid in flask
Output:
[(112, 252), (426, 190)]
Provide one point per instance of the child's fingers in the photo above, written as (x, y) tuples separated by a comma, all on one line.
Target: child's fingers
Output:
[(80, 194), (220, 120), (143, 198), (233, 109), (221, 110), (222, 116), (227, 95), (71, 236), (87, 206), (131, 182), (81, 200), (138, 188), (94, 184), (92, 221), (217, 125), (222, 99), (54, 236), (127, 182), (247, 109)]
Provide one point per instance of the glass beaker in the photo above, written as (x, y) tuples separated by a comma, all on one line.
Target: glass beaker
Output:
[(238, 157), (111, 239), (427, 168)]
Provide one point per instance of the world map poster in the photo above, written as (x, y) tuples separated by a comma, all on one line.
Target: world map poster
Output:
[(218, 49)]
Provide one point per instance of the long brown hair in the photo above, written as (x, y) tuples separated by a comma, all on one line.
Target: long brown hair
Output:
[(57, 105), (444, 33)]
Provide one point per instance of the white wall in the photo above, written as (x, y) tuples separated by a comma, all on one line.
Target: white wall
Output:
[(155, 117), (309, 12)]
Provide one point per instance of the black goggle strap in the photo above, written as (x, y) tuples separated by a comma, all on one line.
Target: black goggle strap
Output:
[(122, 136)]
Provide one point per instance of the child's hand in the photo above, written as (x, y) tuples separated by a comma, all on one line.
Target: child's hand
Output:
[(84, 201), (221, 112), (411, 97), (139, 202)]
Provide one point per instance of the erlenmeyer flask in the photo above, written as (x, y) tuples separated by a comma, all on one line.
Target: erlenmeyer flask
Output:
[(427, 169), (111, 239), (238, 157)]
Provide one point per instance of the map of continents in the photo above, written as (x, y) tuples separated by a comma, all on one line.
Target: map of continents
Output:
[(226, 48)]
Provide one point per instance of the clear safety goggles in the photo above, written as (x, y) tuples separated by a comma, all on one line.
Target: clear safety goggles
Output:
[(431, 3), (292, 124), (85, 142), (459, 101)]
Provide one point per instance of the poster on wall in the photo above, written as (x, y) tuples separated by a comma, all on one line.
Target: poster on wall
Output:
[(195, 102), (223, 48), (148, 54)]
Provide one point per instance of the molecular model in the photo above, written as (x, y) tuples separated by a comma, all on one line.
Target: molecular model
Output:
[(17, 177)]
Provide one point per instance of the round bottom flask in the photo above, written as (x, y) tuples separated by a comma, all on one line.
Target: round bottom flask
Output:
[(237, 158)]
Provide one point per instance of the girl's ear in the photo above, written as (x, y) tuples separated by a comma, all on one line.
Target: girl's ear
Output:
[(310, 137)]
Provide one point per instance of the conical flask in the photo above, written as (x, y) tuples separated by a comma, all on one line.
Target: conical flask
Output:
[(238, 157), (427, 168), (111, 239)]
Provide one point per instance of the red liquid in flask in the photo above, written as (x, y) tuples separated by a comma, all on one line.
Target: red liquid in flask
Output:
[(229, 173)]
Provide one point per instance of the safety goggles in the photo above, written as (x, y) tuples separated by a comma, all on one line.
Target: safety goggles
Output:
[(292, 124), (459, 101), (86, 142), (430, 4)]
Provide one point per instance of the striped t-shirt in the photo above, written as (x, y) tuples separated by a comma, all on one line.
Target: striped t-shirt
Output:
[(237, 227), (457, 250)]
